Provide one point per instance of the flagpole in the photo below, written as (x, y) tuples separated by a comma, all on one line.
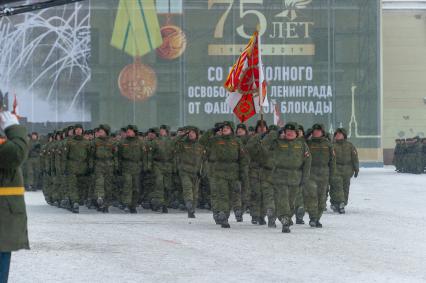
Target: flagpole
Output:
[(259, 92)]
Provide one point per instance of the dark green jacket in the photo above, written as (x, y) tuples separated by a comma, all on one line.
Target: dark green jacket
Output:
[(13, 216)]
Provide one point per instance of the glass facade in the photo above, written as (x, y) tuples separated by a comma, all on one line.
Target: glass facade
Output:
[(164, 62)]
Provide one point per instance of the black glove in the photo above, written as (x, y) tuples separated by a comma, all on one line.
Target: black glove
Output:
[(356, 173)]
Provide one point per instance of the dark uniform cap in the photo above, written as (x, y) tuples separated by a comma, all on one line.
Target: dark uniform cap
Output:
[(165, 127), (106, 128), (70, 128), (291, 126), (192, 128), (300, 128), (318, 127), (242, 126), (123, 129), (251, 129), (76, 126), (134, 128), (343, 131), (228, 124), (153, 130)]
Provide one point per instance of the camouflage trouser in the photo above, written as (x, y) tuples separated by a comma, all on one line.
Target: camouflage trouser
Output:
[(163, 193), (103, 180), (77, 187), (204, 192), (46, 187), (33, 172), (178, 188), (189, 187), (226, 194), (131, 189), (315, 195), (337, 195), (148, 181), (299, 204), (285, 197), (257, 203)]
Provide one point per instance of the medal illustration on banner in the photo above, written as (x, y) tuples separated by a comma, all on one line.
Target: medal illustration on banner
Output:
[(137, 33), (174, 39)]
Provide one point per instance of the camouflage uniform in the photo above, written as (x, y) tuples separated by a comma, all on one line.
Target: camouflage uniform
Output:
[(189, 157), (347, 165), (227, 163), (32, 166), (76, 155), (104, 153), (132, 156), (290, 161), (162, 152), (322, 170)]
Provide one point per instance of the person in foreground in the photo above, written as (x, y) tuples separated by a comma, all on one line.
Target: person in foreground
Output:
[(13, 216)]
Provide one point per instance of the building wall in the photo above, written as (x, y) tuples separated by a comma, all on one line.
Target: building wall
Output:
[(404, 77)]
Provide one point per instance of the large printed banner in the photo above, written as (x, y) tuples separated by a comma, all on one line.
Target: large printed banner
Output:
[(153, 62)]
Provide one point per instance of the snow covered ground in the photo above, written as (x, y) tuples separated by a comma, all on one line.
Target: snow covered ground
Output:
[(380, 239)]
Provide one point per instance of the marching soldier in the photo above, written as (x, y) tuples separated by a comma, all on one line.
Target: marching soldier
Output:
[(190, 157), (322, 171), (76, 154), (347, 165), (132, 156), (32, 165), (103, 154), (290, 161), (227, 162)]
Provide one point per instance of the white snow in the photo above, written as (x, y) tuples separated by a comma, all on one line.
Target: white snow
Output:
[(380, 239)]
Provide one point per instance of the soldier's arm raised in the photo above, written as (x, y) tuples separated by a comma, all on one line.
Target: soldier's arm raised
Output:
[(14, 150)]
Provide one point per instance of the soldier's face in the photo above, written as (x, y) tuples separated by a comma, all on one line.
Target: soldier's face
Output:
[(130, 133), (339, 137), (317, 133), (226, 131), (34, 137), (300, 133), (241, 132), (101, 133), (290, 135), (192, 135), (219, 133), (70, 133), (78, 131), (123, 135), (163, 132), (261, 129), (151, 136)]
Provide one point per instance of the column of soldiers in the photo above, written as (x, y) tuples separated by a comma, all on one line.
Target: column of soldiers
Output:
[(271, 173), (410, 155)]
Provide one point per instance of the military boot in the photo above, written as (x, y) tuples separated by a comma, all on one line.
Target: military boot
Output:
[(313, 222), (254, 220), (223, 220), (216, 218), (261, 220), (334, 208), (146, 205), (318, 224), (190, 208), (56, 203), (271, 222), (342, 208), (100, 202), (165, 209), (105, 209), (286, 225), (75, 208), (238, 215), (133, 210), (300, 213), (126, 209)]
